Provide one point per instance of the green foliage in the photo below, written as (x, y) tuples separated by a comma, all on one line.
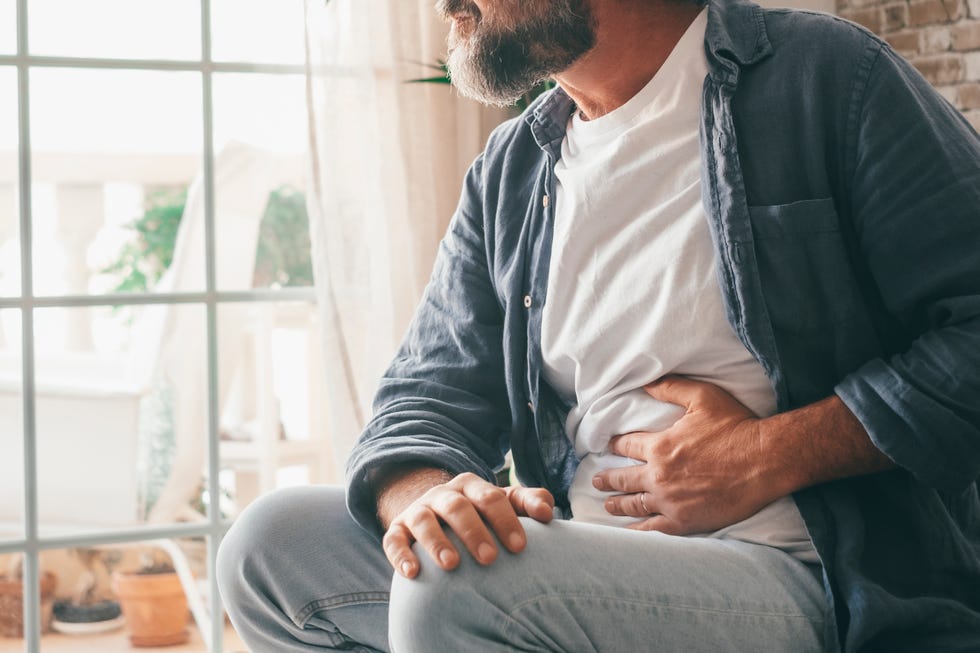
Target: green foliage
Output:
[(282, 257), (145, 258), (156, 444), (442, 78)]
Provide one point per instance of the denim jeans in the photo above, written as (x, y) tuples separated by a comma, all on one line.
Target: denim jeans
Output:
[(298, 575)]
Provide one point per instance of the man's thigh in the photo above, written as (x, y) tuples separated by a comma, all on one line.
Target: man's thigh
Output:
[(580, 587)]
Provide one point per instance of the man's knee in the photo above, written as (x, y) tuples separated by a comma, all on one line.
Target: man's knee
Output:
[(445, 610), (261, 539)]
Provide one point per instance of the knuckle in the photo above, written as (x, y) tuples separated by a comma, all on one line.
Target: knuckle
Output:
[(452, 503), (471, 533), (393, 545), (660, 448), (489, 495), (702, 392), (542, 494), (468, 477), (417, 516), (390, 541)]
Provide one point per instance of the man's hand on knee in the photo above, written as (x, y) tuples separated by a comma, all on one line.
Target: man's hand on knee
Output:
[(470, 507)]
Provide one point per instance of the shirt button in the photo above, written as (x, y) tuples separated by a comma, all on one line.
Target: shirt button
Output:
[(530, 406), (527, 301), (546, 201)]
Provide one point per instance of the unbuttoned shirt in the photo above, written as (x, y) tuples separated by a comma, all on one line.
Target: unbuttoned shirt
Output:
[(843, 197)]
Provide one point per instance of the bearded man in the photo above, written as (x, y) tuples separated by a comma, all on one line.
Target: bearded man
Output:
[(719, 294)]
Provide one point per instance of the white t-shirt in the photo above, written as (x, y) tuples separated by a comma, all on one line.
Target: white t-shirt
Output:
[(633, 293)]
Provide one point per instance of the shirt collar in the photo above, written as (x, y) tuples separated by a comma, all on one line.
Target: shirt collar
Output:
[(735, 36)]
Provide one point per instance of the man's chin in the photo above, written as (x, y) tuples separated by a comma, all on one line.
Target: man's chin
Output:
[(490, 95)]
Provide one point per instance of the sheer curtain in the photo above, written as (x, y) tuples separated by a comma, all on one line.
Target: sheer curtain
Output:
[(387, 160)]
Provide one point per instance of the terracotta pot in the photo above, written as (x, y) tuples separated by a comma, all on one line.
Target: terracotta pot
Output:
[(12, 604), (155, 608)]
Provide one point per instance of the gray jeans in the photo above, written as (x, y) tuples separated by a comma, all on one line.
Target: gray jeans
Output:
[(298, 575)]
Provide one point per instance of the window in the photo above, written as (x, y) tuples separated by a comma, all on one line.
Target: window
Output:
[(159, 353)]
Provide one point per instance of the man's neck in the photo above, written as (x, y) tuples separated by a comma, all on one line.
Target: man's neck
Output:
[(633, 39)]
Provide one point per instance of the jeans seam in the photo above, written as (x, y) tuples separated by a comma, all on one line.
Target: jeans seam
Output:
[(343, 600), (657, 605)]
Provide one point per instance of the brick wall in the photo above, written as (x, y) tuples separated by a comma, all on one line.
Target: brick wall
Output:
[(940, 37)]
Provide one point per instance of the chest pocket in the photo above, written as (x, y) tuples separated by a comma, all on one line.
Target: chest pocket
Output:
[(804, 270)]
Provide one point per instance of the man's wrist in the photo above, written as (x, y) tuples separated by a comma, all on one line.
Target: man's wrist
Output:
[(397, 486), (818, 443)]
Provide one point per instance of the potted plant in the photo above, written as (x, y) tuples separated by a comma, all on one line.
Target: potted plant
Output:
[(153, 602), (12, 599), (88, 609)]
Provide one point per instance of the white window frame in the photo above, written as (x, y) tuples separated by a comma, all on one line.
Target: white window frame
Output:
[(214, 527)]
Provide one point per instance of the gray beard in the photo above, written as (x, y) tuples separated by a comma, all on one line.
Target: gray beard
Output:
[(498, 67)]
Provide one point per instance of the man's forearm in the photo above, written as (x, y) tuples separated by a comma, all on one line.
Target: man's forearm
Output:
[(399, 486), (819, 443)]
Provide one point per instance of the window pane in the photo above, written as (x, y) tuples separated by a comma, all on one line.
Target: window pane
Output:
[(107, 584), (121, 416), (8, 26), (271, 378), (11, 428), (236, 24), (118, 29), (9, 176), (260, 204), (117, 195)]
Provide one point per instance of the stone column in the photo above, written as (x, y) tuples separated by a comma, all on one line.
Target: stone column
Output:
[(81, 214)]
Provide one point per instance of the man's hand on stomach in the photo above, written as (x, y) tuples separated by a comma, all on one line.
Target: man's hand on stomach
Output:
[(707, 471), (720, 464)]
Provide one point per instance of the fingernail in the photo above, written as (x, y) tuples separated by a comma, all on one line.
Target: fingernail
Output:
[(597, 482), (407, 568), (446, 557), (485, 552), (516, 541)]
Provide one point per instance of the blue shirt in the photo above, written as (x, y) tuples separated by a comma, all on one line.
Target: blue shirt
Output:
[(843, 196)]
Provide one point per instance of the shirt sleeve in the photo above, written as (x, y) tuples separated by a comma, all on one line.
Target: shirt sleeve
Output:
[(443, 401), (916, 211)]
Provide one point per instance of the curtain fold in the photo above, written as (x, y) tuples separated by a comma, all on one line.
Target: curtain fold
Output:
[(387, 161)]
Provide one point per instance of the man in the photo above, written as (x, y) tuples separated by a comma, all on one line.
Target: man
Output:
[(720, 290)]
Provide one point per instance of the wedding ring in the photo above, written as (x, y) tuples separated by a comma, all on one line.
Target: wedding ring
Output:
[(643, 502)]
